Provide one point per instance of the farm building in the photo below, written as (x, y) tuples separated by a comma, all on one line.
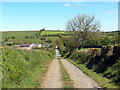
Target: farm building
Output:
[(26, 46), (8, 43), (45, 45), (37, 45), (29, 46)]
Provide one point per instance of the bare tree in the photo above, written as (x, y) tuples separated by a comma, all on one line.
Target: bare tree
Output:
[(83, 27)]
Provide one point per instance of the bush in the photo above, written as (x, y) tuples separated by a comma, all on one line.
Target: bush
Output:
[(26, 37), (13, 37), (13, 65), (107, 62), (79, 56), (113, 72)]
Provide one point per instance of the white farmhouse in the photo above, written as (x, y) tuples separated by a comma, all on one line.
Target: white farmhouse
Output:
[(36, 45)]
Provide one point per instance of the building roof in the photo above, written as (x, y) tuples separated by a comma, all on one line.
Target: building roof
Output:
[(8, 43), (36, 44), (46, 45)]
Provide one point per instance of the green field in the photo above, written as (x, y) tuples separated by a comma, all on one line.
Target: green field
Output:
[(52, 32), (29, 40), (20, 36)]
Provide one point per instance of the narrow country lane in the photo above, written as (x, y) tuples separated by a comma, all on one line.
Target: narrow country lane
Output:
[(53, 77), (80, 79)]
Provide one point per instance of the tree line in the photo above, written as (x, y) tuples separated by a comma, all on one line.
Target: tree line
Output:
[(83, 30)]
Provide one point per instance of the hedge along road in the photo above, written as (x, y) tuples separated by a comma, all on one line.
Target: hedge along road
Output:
[(53, 76)]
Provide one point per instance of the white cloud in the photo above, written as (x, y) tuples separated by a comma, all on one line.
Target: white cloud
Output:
[(67, 5), (78, 4), (86, 5)]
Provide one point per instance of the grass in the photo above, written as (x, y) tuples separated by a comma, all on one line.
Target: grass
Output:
[(102, 81), (20, 37), (89, 48), (84, 48), (52, 32), (34, 63), (67, 82), (37, 74), (36, 77), (18, 34), (52, 38), (28, 40)]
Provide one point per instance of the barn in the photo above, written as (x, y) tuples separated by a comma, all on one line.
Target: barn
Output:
[(30, 46), (26, 46)]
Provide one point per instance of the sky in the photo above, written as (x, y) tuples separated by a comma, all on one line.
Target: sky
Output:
[(21, 16)]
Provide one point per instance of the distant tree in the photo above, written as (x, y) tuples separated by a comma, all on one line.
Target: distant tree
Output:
[(42, 29), (13, 37), (118, 37), (83, 28), (106, 41), (58, 42), (5, 40), (26, 37), (95, 41), (69, 43)]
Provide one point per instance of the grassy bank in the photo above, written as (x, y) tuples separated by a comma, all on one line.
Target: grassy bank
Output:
[(102, 81), (24, 69), (67, 82)]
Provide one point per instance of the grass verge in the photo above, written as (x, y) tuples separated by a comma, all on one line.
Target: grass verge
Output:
[(35, 79), (67, 82), (102, 81), (24, 69)]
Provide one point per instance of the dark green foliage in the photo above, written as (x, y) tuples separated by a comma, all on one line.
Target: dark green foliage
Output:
[(70, 45), (79, 56), (26, 37), (113, 72), (107, 62), (5, 40), (12, 37)]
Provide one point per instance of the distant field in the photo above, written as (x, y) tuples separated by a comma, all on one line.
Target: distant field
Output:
[(52, 32), (20, 36), (29, 40), (52, 38)]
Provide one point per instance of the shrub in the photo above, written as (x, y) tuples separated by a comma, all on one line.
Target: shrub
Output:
[(26, 37), (79, 56), (113, 72)]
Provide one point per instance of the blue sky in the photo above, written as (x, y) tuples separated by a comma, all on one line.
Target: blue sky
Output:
[(19, 16)]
